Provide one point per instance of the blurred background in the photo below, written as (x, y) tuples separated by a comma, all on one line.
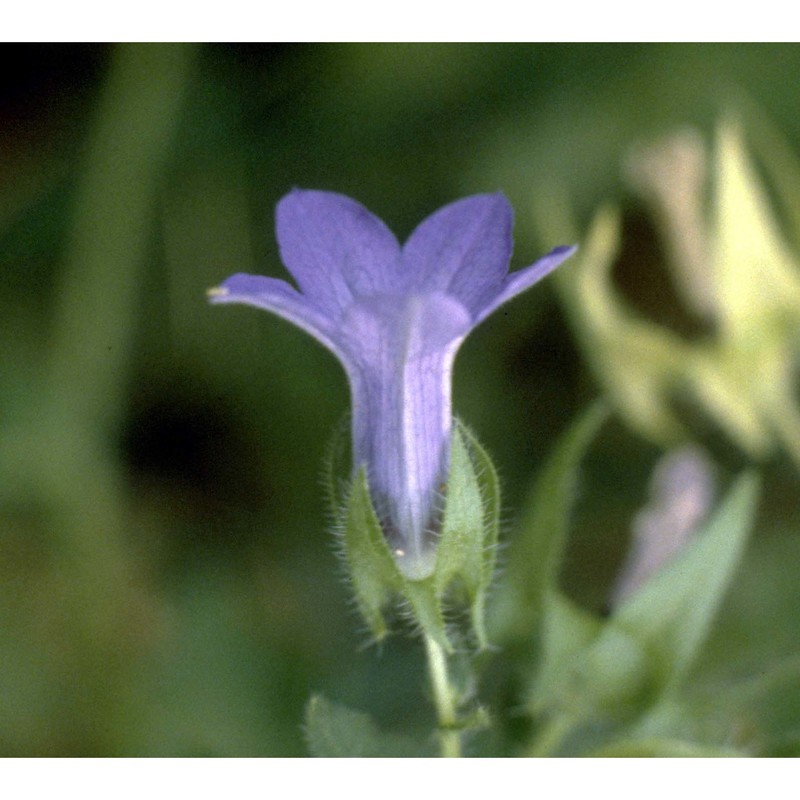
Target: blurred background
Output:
[(168, 582)]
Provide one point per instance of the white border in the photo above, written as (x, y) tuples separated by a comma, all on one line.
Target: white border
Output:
[(403, 20), (397, 779)]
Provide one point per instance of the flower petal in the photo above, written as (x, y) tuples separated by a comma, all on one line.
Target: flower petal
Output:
[(523, 279), (463, 249), (335, 248), (282, 299), (401, 358)]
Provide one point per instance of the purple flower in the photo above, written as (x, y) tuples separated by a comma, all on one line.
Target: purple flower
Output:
[(395, 317)]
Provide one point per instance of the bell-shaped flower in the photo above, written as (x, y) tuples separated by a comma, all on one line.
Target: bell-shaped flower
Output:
[(394, 317)]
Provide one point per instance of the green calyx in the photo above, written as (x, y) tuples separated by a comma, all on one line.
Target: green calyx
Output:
[(464, 558)]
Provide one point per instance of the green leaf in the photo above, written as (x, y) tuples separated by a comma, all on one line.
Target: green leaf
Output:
[(535, 552), (748, 242), (466, 550), (567, 632), (588, 668), (671, 614), (615, 676), (663, 748), (623, 665), (371, 566), (459, 552), (719, 377), (767, 701), (489, 485), (336, 463), (334, 731), (780, 164), (746, 377)]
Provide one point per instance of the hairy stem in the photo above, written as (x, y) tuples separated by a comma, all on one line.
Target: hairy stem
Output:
[(444, 698)]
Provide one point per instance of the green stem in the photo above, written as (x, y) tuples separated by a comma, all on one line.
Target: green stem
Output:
[(100, 297), (444, 698), (550, 736), (98, 301)]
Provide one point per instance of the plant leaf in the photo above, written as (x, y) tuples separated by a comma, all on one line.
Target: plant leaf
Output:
[(335, 731), (756, 274), (671, 614), (459, 552), (619, 667), (489, 484), (371, 566), (567, 632), (466, 552), (663, 748), (535, 552)]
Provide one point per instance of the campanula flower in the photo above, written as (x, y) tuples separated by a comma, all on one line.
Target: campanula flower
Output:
[(394, 317)]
